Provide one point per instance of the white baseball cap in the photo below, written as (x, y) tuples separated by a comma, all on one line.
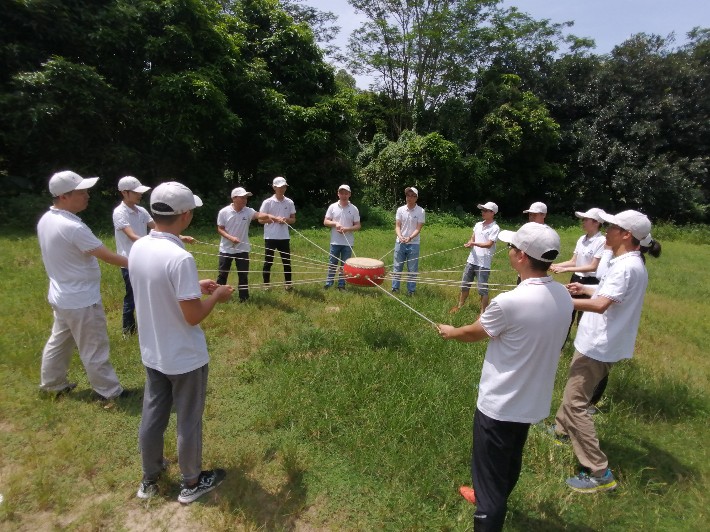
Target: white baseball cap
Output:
[(539, 241), (537, 208), (490, 206), (279, 182), (131, 183), (593, 213), (635, 222), (413, 189), (344, 187), (173, 198), (240, 193), (67, 181)]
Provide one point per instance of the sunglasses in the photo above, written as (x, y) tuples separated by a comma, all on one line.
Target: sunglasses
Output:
[(511, 246)]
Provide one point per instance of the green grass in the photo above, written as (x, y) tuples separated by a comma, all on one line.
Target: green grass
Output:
[(346, 411)]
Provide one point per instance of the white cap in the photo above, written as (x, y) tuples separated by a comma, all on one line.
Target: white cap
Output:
[(343, 187), (416, 192), (537, 208), (131, 183), (593, 213), (239, 192), (67, 181), (279, 182), (539, 241), (173, 198), (635, 222), (490, 206), (645, 242)]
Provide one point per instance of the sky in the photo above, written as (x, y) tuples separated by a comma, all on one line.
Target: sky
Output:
[(608, 22)]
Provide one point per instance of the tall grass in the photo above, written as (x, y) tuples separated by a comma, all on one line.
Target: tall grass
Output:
[(345, 410)]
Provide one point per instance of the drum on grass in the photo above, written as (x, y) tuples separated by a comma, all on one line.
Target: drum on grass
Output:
[(363, 271)]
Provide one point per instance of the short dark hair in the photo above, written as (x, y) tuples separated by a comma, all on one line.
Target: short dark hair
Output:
[(165, 219), (537, 264)]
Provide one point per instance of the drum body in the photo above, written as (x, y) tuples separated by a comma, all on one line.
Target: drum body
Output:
[(363, 271)]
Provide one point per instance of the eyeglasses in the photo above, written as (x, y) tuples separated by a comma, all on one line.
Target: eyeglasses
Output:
[(511, 246)]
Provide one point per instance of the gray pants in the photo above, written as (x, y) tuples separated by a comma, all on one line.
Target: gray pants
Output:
[(187, 393), (84, 328)]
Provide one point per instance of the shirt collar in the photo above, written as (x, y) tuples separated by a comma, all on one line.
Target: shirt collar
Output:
[(166, 236)]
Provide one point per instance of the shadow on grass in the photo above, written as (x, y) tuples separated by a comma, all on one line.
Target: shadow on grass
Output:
[(132, 405), (384, 338), (526, 522)]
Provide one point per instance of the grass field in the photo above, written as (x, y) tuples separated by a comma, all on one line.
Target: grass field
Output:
[(346, 411)]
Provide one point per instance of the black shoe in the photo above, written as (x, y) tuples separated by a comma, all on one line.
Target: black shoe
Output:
[(341, 288), (68, 388), (207, 481), (125, 394)]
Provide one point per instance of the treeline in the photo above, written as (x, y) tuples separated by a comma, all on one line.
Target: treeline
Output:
[(224, 93)]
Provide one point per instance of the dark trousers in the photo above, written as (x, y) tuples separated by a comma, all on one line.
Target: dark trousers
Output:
[(497, 458), (129, 306), (284, 247), (577, 314), (242, 262)]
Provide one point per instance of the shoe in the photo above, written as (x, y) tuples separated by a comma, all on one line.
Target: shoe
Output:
[(147, 489), (341, 288), (586, 483), (410, 293), (592, 410), (207, 481), (395, 290), (326, 286), (123, 395), (454, 309), (559, 438), (289, 287), (68, 388), (468, 494)]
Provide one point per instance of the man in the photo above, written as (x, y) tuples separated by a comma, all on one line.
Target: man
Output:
[(526, 328), (478, 264), (278, 213), (69, 252), (173, 348), (409, 220), (233, 226), (537, 212), (130, 222), (343, 218), (606, 335)]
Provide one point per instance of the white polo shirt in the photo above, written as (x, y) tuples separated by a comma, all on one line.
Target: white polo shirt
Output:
[(236, 223), (346, 216), (528, 327), (588, 249), (483, 233), (74, 275), (137, 219), (408, 220), (163, 274), (610, 337), (284, 208), (605, 258)]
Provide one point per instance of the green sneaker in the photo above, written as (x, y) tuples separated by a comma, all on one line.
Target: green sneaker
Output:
[(586, 483)]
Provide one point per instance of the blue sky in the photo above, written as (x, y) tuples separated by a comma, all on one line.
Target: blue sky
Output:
[(608, 22)]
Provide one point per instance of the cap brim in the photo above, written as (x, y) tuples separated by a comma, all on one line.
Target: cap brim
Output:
[(198, 201), (608, 218), (88, 182), (141, 189), (506, 236)]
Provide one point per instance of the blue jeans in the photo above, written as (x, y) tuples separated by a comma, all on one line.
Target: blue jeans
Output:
[(408, 253), (129, 318), (338, 255)]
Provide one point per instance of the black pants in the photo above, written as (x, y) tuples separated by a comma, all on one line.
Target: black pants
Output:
[(284, 247), (497, 458), (129, 317), (589, 280), (242, 261)]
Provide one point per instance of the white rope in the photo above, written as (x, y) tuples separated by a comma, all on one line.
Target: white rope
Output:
[(403, 303)]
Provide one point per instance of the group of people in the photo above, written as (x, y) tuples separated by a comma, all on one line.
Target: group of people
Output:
[(526, 327)]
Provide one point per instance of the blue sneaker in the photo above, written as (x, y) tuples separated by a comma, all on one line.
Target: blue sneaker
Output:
[(586, 483)]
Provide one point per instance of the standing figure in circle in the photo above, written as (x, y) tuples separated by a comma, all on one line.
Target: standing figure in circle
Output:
[(170, 307), (343, 218), (233, 226), (606, 334), (278, 212), (478, 264), (69, 252), (526, 328), (408, 224)]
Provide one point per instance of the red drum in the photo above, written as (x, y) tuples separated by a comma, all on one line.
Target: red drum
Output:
[(363, 272)]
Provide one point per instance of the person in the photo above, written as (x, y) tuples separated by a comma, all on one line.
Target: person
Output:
[(409, 220), (233, 226), (70, 252), (478, 264), (587, 254), (343, 218), (278, 213), (526, 328), (537, 212), (606, 335), (173, 347)]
